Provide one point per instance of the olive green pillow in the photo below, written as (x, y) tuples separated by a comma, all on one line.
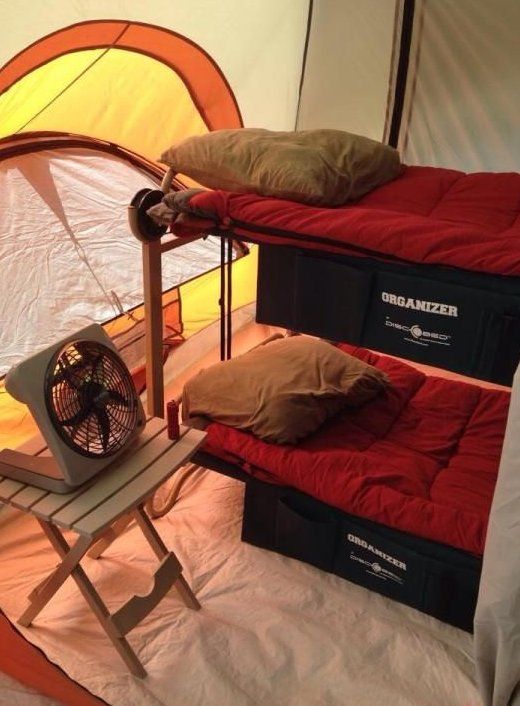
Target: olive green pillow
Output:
[(282, 391), (320, 167)]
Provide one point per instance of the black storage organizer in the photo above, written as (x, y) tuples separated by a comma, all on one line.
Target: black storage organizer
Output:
[(434, 578), (449, 318)]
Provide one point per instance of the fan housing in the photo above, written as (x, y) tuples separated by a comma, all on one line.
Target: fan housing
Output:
[(83, 398)]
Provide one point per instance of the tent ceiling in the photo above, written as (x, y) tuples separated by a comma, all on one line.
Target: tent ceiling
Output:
[(251, 48)]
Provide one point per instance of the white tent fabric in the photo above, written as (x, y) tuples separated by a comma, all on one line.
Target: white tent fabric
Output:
[(271, 630), (463, 96), (16, 694), (497, 632), (64, 220), (348, 67)]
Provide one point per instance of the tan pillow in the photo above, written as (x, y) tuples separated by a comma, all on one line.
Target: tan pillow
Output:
[(321, 167), (282, 391)]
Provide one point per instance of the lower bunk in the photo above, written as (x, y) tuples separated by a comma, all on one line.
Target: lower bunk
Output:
[(394, 496)]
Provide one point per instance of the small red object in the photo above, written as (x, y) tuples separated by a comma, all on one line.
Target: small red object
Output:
[(172, 417)]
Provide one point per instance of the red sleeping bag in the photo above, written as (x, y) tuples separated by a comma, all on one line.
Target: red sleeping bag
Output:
[(422, 458), (427, 215)]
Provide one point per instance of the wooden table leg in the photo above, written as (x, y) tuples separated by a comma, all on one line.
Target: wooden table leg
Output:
[(45, 591), (183, 589), (152, 284), (154, 540), (110, 536), (36, 590), (95, 602)]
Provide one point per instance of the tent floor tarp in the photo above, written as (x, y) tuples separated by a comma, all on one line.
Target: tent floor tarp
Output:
[(271, 629)]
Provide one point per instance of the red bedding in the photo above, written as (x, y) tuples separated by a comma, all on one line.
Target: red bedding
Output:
[(422, 458), (427, 215)]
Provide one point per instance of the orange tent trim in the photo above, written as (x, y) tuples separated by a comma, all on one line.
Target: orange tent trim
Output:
[(206, 84)]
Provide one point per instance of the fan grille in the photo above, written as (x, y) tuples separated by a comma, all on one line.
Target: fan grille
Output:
[(91, 398)]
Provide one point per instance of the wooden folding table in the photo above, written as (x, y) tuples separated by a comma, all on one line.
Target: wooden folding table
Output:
[(97, 513)]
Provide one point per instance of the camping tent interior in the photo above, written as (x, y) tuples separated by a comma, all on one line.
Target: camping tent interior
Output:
[(91, 93)]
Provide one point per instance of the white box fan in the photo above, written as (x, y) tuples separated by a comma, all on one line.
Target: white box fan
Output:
[(83, 398)]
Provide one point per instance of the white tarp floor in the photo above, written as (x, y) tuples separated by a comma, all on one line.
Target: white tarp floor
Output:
[(271, 630)]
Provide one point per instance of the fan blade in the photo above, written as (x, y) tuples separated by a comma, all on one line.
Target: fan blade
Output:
[(97, 361), (77, 418), (117, 397), (104, 426), (90, 354), (67, 374)]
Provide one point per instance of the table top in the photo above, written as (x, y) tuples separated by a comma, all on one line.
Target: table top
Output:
[(126, 483)]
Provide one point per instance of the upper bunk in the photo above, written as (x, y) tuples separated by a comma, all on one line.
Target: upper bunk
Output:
[(425, 267), (427, 215)]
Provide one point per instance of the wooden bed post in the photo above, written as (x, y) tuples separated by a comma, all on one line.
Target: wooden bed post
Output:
[(152, 283)]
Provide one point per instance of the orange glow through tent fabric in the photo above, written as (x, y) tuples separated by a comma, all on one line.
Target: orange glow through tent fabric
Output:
[(90, 95), (84, 113)]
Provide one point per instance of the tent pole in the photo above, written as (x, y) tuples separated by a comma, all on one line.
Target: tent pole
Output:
[(229, 298), (222, 299)]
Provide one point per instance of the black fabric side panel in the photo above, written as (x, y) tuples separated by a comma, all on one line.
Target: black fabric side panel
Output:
[(402, 71), (434, 578), (453, 319), (276, 286), (348, 288), (446, 332)]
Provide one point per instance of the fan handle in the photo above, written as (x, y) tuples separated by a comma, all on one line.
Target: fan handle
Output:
[(141, 225)]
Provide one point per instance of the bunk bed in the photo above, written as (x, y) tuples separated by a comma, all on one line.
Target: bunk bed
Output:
[(425, 267)]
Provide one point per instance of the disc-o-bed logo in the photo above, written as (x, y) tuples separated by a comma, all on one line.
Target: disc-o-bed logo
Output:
[(376, 568), (416, 333)]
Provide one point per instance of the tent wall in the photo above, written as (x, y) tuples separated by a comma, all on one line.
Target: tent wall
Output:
[(82, 79), (497, 629), (349, 66), (65, 249), (462, 98), (68, 260), (155, 75)]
